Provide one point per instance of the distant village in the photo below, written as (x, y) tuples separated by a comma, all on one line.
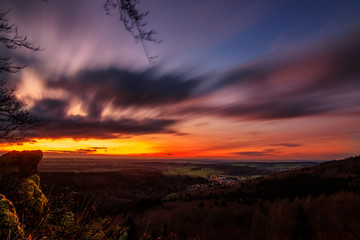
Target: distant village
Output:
[(219, 180), (215, 180)]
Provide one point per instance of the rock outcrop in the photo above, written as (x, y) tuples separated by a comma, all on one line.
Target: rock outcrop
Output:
[(19, 164), (20, 183), (9, 222)]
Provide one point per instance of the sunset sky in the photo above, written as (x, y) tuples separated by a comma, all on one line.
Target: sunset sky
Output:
[(241, 80)]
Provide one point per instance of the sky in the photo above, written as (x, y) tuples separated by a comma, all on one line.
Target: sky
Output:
[(234, 80)]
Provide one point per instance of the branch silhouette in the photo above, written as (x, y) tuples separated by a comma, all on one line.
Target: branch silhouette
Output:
[(16, 121), (133, 21)]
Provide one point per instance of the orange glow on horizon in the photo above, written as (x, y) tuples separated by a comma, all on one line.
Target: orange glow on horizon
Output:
[(85, 146), (188, 146)]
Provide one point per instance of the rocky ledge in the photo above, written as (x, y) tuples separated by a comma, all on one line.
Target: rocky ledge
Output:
[(20, 193)]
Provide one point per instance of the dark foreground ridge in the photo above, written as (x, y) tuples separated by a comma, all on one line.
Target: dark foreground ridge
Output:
[(25, 212), (321, 202)]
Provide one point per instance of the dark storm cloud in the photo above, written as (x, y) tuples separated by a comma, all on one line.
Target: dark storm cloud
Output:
[(120, 89), (82, 127), (289, 108), (324, 80), (248, 75), (56, 124), (265, 109), (79, 151), (338, 63), (90, 149), (124, 89), (290, 145), (264, 153), (50, 108)]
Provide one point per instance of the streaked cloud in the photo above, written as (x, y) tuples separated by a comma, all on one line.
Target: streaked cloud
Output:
[(321, 81), (290, 145), (56, 124), (242, 80), (265, 153)]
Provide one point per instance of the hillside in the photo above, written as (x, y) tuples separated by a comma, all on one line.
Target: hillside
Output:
[(319, 202), (337, 168), (326, 178)]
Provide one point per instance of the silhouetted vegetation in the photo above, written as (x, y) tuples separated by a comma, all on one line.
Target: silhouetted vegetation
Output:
[(117, 192), (322, 202), (16, 120), (133, 21)]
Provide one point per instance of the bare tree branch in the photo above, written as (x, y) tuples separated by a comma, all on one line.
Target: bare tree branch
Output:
[(16, 120), (7, 66), (133, 22), (10, 37)]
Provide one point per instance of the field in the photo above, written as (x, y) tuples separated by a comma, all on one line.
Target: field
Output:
[(193, 171), (204, 169), (277, 167)]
